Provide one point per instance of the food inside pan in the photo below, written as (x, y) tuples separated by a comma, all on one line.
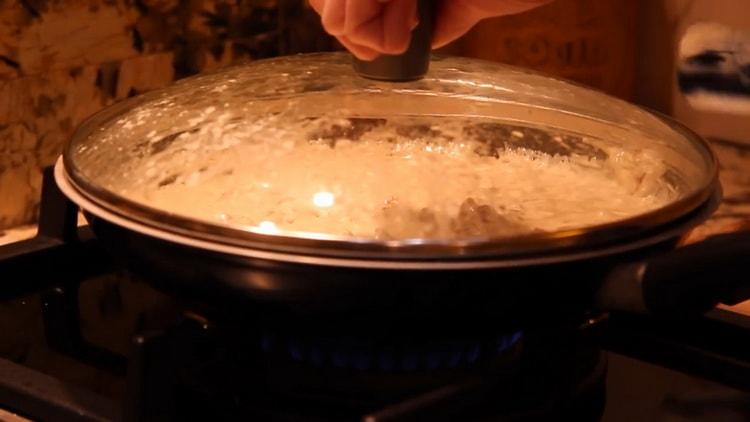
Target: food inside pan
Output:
[(392, 178)]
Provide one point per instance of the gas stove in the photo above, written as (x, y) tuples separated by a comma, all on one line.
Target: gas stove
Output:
[(84, 341)]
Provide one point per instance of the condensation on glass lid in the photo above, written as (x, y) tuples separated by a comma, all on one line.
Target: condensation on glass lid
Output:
[(397, 178)]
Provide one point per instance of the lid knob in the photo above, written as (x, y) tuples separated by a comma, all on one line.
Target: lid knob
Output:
[(414, 62)]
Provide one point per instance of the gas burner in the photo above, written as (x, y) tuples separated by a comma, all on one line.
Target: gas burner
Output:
[(385, 355), (216, 366)]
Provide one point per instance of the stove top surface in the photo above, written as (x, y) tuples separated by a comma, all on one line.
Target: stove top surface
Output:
[(84, 341)]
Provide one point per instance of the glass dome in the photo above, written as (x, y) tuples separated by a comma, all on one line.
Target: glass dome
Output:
[(299, 151)]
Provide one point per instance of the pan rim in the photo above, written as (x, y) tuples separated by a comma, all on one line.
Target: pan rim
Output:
[(673, 231)]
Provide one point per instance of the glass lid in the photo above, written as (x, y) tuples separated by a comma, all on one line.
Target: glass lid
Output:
[(300, 152)]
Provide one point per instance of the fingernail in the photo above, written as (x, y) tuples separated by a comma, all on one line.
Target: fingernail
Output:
[(368, 57)]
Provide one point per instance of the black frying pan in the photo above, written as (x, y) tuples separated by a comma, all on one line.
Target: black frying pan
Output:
[(641, 274)]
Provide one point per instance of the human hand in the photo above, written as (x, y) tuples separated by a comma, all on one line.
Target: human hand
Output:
[(369, 28)]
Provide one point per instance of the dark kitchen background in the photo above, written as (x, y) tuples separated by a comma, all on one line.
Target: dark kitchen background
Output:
[(61, 61)]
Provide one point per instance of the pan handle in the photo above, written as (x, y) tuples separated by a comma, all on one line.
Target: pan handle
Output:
[(686, 281)]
